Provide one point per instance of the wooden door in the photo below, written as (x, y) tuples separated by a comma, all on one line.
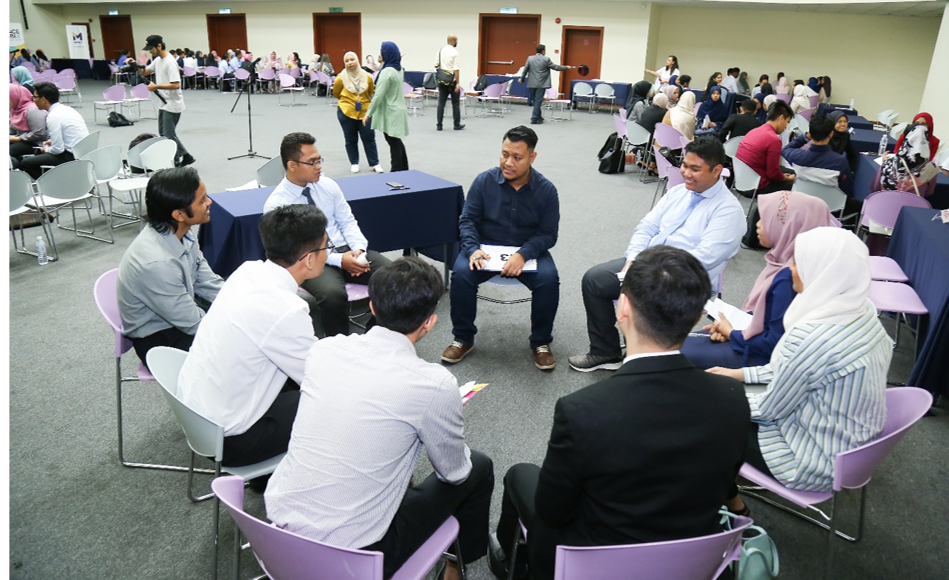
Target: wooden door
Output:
[(116, 36), (227, 31), (581, 45), (505, 41), (336, 34), (88, 36)]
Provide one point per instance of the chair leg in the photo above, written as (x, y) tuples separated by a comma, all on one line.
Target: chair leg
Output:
[(830, 537), (746, 491), (191, 471), (217, 521), (237, 552)]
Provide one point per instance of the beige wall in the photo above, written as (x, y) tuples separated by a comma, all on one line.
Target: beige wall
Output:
[(47, 27), (936, 95)]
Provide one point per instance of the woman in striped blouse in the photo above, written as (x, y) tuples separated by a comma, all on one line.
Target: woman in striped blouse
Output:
[(827, 376)]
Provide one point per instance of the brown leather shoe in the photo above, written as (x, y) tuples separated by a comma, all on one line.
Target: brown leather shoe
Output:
[(456, 351), (543, 358)]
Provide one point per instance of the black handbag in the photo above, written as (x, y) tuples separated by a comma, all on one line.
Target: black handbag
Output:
[(443, 77)]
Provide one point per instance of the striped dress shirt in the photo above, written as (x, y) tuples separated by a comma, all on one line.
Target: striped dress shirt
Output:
[(827, 395)]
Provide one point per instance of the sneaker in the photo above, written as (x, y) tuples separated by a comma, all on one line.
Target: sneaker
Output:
[(186, 160), (354, 169), (543, 358), (456, 351), (378, 169), (459, 127), (591, 362)]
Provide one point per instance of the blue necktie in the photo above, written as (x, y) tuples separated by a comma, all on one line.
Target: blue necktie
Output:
[(306, 193), (677, 223)]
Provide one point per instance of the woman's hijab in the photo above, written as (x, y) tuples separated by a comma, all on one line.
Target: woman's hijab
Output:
[(639, 93), (783, 87), (661, 101), (391, 56), (21, 101), (840, 140), (743, 82), (22, 76), (767, 89), (784, 215), (813, 84), (354, 81), (762, 114), (682, 116), (716, 110), (800, 98), (670, 92), (933, 141)]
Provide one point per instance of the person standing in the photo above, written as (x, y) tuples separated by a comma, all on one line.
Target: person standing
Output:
[(387, 110), (353, 88), (537, 72), (447, 64), (168, 82)]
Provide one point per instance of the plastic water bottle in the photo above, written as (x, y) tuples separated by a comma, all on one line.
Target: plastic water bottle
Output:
[(883, 144), (851, 103), (41, 258)]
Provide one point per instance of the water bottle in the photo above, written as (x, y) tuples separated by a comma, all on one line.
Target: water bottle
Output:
[(883, 144), (707, 122), (851, 103), (41, 258)]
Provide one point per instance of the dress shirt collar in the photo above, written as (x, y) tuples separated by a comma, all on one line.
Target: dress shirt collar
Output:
[(298, 189), (648, 354), (531, 183), (176, 247), (396, 339), (710, 192), (282, 274)]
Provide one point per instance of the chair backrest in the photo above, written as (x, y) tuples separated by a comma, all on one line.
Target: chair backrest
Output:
[(408, 90), (813, 101), (114, 93), (294, 72), (284, 555), (212, 71), (160, 155), (667, 136), (636, 134), (68, 71), (783, 97), (271, 173), (242, 74), (731, 146), (551, 94), (29, 66), (204, 436), (746, 178), (806, 114), (106, 162), (904, 406), (21, 189), (112, 68), (832, 196), (898, 129), (883, 207), (887, 117), (268, 74), (140, 91), (495, 91), (663, 166), (695, 110), (604, 91), (105, 294), (286, 81), (188, 71), (134, 154), (64, 82), (620, 126), (86, 145), (68, 181), (702, 558), (582, 90), (674, 177)]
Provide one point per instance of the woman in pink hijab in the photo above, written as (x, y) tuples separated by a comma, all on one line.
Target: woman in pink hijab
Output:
[(27, 122), (784, 215)]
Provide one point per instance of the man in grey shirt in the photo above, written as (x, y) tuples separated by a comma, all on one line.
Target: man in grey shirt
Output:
[(163, 269), (359, 430), (537, 73)]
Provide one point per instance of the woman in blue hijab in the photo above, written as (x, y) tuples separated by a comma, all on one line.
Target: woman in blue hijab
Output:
[(23, 77), (813, 84), (387, 110), (714, 108)]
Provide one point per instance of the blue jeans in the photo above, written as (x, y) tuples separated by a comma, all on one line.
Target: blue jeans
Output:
[(544, 285), (537, 96), (353, 129)]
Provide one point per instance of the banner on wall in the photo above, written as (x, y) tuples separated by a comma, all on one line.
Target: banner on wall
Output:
[(78, 41), (16, 34)]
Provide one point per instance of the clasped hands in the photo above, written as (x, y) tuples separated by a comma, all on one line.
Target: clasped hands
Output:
[(512, 268), (352, 265)]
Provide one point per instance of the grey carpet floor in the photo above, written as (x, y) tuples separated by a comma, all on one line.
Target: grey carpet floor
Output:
[(76, 514)]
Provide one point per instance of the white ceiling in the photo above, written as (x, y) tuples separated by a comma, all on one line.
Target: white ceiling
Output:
[(927, 9)]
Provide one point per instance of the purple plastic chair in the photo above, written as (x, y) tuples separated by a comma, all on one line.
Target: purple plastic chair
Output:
[(852, 469), (667, 136), (212, 72), (284, 555), (268, 76), (813, 101), (665, 169), (806, 114), (783, 97), (703, 558), (113, 96), (883, 207), (886, 269), (901, 300)]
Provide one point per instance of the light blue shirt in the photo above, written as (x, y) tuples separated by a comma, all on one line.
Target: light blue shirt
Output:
[(341, 226), (712, 232), (66, 128), (225, 68)]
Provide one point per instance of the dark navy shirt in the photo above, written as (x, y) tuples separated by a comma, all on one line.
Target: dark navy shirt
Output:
[(757, 349), (496, 213)]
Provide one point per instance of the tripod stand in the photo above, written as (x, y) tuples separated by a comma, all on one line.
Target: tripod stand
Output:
[(248, 83)]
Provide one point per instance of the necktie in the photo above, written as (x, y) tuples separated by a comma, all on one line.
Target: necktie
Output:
[(677, 223), (306, 194)]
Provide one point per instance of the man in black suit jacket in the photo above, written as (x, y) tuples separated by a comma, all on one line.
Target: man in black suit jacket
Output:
[(647, 455)]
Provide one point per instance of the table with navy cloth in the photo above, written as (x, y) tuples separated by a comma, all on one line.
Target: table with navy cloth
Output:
[(858, 122), (424, 217), (867, 168), (515, 88), (828, 108), (868, 140), (99, 69), (921, 247), (620, 90), (416, 78)]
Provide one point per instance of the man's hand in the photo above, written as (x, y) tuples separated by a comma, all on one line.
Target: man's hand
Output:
[(14, 139), (514, 266), (625, 269), (477, 260), (723, 328), (351, 265), (152, 87), (457, 87), (789, 177), (736, 374)]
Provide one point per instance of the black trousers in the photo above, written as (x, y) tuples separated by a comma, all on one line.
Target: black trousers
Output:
[(753, 457), (269, 436), (329, 292), (445, 91), (600, 287), (427, 505), (21, 148), (172, 337), (398, 161), (520, 487), (750, 239), (33, 165)]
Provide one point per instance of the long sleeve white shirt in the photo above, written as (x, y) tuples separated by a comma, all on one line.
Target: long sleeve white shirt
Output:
[(66, 128)]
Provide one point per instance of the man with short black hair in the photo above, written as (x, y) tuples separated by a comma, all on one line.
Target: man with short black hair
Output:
[(348, 259), (246, 364), (701, 216), (537, 72), (742, 123), (346, 479), (167, 86), (510, 205), (684, 81), (814, 160), (761, 150), (163, 274), (647, 455), (65, 125)]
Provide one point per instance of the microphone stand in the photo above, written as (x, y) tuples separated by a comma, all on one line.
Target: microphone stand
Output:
[(250, 128)]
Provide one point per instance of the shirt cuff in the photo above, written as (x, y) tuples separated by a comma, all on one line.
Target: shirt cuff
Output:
[(335, 259)]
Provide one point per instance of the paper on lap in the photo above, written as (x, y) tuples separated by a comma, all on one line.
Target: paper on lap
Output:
[(500, 255), (739, 319), (469, 389)]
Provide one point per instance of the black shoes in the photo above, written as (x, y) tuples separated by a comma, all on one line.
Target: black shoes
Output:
[(459, 127), (438, 127), (498, 563), (537, 122), (186, 160)]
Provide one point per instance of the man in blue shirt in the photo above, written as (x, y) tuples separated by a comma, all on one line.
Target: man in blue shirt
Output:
[(510, 205), (815, 161), (700, 216)]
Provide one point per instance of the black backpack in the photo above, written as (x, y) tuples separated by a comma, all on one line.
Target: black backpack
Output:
[(430, 82), (612, 155), (482, 83), (118, 120)]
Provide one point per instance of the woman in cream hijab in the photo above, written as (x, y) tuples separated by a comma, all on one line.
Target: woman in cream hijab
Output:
[(800, 101), (354, 89), (682, 116)]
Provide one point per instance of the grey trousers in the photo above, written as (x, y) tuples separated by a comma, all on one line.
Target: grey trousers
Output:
[(167, 124)]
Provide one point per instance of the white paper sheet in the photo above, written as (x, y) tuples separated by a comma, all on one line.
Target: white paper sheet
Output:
[(499, 256), (738, 318)]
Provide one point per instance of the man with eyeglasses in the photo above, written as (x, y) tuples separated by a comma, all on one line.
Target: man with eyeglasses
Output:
[(246, 364), (349, 259), (66, 128)]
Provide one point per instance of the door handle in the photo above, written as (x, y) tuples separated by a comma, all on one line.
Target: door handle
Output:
[(500, 62)]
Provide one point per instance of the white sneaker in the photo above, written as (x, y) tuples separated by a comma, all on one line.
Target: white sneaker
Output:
[(378, 169), (355, 169)]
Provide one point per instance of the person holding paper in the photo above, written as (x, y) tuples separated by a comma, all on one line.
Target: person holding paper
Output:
[(510, 205), (784, 215), (700, 216), (346, 479)]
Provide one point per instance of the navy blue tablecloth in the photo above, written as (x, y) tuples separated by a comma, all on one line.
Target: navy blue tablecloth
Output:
[(621, 90), (416, 77), (424, 217), (867, 168), (514, 88), (921, 247), (98, 70), (858, 122), (828, 108), (868, 140)]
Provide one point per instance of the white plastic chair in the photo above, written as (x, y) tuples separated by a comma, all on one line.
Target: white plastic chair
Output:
[(503, 282), (21, 194), (160, 155), (731, 146), (898, 129), (86, 145), (271, 173), (65, 185), (832, 196), (107, 165), (583, 91), (604, 92), (746, 178)]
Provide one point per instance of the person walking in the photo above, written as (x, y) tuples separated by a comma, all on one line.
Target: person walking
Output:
[(167, 86), (387, 110), (353, 88), (446, 64), (537, 73)]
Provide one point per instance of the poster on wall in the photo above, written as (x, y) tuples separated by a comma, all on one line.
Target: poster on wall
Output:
[(78, 42), (16, 35)]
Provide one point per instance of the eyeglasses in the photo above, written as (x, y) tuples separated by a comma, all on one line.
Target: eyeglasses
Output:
[(329, 247), (314, 163)]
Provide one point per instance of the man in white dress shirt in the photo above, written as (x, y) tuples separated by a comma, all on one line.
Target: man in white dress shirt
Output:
[(66, 128), (246, 363), (350, 261), (346, 479)]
